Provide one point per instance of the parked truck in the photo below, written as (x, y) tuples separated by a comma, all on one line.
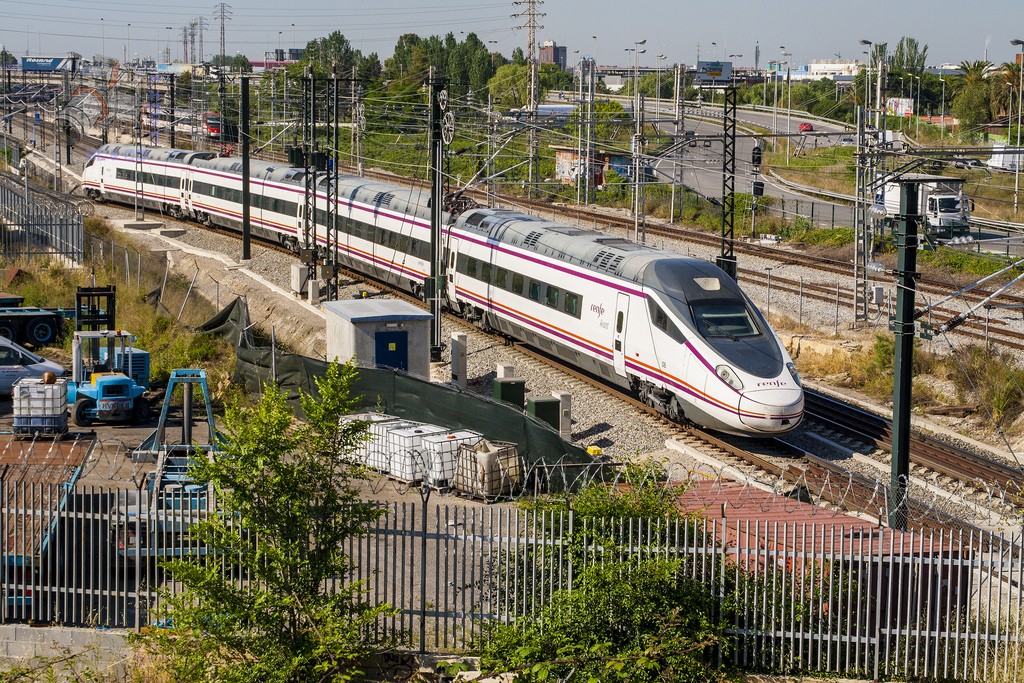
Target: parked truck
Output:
[(946, 209), (30, 324)]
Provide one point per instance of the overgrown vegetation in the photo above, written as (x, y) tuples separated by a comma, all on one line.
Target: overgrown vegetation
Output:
[(171, 345), (632, 619), (286, 509), (990, 384)]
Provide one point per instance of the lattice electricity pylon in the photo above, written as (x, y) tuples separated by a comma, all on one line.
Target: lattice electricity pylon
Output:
[(307, 251), (727, 259)]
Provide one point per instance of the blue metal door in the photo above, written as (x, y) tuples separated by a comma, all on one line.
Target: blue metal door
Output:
[(392, 349)]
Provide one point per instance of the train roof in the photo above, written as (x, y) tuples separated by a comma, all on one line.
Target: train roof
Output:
[(585, 247), (408, 200), (153, 153)]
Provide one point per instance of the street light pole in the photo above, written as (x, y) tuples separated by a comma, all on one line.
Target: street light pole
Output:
[(942, 112), (1020, 96), (734, 70), (657, 99), (789, 105), (917, 108)]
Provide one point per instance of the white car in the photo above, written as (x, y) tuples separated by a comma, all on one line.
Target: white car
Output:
[(17, 362)]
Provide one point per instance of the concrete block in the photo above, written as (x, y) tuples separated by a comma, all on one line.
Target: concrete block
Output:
[(142, 225)]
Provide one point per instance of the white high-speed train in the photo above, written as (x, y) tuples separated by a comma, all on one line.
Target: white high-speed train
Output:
[(677, 331)]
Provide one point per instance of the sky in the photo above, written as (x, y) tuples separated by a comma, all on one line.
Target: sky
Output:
[(603, 29)]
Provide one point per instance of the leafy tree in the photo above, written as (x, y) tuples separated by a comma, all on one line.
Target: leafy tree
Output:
[(286, 506), (399, 65), (909, 57), (323, 53), (971, 105), (510, 85), (551, 77)]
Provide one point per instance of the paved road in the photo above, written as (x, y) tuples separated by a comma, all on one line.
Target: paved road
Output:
[(700, 164)]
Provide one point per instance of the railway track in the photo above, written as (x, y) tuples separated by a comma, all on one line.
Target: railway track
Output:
[(945, 459)]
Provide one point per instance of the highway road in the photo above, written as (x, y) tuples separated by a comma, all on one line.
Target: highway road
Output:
[(700, 166)]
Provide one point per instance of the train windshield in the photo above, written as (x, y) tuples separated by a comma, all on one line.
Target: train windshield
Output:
[(727, 319)]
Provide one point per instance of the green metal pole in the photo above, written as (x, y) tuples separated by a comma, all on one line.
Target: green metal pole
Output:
[(903, 327)]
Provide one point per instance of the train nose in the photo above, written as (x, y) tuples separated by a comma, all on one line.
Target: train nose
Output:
[(772, 410)]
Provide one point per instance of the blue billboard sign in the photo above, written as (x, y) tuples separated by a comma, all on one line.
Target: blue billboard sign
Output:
[(50, 64)]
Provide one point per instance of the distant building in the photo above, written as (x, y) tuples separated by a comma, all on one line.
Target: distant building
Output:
[(552, 53)]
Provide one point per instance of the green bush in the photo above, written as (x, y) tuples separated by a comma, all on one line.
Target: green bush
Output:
[(636, 622)]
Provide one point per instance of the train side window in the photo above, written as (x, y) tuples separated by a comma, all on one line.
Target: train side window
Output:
[(461, 264), (619, 319), (471, 267), (517, 283), (403, 244), (551, 297), (571, 304), (662, 322), (485, 272), (535, 290), (501, 278), (658, 316)]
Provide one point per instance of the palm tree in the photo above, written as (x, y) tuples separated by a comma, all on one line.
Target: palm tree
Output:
[(1005, 84)]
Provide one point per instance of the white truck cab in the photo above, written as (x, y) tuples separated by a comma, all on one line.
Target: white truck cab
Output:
[(17, 362)]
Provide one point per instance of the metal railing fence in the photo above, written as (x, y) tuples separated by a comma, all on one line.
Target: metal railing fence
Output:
[(32, 228), (791, 598)]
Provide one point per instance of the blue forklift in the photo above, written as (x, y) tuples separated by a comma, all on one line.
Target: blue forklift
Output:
[(108, 380)]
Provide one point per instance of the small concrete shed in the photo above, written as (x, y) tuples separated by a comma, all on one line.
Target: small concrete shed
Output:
[(379, 332)]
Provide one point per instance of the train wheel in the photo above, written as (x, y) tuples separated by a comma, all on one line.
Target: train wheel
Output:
[(675, 411), (41, 331)]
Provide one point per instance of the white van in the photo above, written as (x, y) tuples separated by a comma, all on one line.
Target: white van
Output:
[(17, 362)]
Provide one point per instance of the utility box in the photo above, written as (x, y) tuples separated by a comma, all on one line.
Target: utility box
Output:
[(379, 333), (300, 278), (547, 409), (510, 390)]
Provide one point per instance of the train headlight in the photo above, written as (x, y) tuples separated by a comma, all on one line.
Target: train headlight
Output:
[(728, 375), (793, 372)]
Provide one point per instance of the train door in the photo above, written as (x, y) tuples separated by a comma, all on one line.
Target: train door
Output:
[(186, 192), (453, 251), (619, 339)]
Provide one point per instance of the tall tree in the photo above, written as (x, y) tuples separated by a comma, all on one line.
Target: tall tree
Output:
[(1004, 90), (971, 104), (510, 86), (286, 507), (909, 57), (322, 53)]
